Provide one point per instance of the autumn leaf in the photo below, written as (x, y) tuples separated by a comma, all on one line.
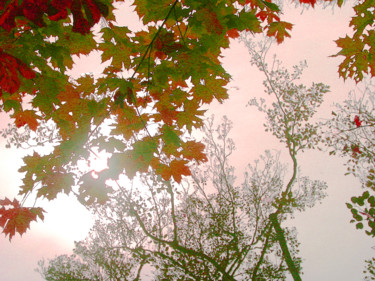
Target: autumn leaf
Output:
[(27, 117), (55, 182), (279, 29), (209, 19), (194, 150), (144, 151), (10, 68), (15, 218), (357, 60), (178, 169), (233, 33), (311, 2)]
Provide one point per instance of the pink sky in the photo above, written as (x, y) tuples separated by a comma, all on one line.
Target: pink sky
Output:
[(331, 247)]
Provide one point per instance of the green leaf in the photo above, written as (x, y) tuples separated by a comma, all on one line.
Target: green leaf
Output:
[(366, 195), (12, 104), (170, 137), (271, 6), (371, 200), (145, 149)]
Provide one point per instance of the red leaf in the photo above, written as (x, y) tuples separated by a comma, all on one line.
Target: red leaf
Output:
[(160, 55), (92, 12), (233, 33), (8, 16), (61, 9), (14, 218), (357, 122), (176, 168), (262, 15), (10, 66), (311, 2), (34, 10)]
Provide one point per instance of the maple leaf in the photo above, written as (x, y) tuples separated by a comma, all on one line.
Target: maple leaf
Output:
[(178, 169), (271, 6), (167, 113), (27, 117), (10, 66), (160, 55), (132, 161), (127, 122), (279, 30), (357, 122), (194, 150), (357, 60), (15, 218), (117, 46), (144, 152), (93, 190), (209, 20), (171, 140), (170, 136), (270, 16), (7, 18), (84, 19), (54, 183)]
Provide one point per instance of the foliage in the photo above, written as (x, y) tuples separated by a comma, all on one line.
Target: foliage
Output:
[(150, 93), (359, 49), (370, 270), (68, 268), (289, 120), (350, 130), (350, 134)]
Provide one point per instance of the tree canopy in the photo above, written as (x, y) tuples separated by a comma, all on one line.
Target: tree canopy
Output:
[(150, 95)]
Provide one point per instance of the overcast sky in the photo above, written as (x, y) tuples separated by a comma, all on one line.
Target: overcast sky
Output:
[(331, 247)]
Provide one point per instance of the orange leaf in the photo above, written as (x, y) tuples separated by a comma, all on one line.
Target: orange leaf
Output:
[(179, 169), (27, 117), (194, 150), (165, 172), (233, 33)]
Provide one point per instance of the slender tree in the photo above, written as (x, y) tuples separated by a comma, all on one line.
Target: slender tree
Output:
[(288, 119)]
